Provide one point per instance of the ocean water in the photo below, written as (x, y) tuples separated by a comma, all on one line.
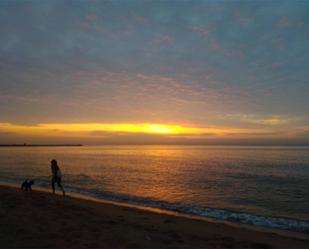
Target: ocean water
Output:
[(263, 185)]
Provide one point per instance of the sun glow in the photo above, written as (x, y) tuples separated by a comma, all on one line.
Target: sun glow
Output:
[(130, 128), (160, 129), (99, 127), (107, 129)]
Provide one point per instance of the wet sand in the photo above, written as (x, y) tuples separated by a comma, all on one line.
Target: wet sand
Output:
[(42, 220)]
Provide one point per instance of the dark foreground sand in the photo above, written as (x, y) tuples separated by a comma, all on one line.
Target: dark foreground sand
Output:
[(41, 220)]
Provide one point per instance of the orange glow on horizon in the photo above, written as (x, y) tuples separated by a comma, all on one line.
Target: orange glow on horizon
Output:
[(99, 127), (103, 129)]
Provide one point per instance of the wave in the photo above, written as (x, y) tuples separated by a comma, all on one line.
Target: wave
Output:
[(215, 213)]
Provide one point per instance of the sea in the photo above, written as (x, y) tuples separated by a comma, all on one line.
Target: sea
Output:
[(264, 186)]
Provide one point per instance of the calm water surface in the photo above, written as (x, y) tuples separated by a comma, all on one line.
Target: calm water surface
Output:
[(254, 185)]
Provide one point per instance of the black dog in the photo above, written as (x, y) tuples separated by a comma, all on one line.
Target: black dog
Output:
[(26, 185)]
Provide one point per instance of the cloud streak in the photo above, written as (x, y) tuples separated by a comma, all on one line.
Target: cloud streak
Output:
[(272, 121)]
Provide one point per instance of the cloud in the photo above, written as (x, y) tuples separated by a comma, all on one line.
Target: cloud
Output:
[(91, 17), (204, 31), (7, 133), (139, 19), (283, 22), (255, 133), (165, 40), (86, 26), (271, 121)]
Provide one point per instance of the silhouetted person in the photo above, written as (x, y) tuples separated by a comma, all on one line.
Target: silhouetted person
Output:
[(56, 176)]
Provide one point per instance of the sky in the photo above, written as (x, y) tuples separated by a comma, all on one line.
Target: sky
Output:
[(188, 72)]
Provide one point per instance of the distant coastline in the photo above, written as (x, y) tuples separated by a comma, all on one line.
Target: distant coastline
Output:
[(40, 145)]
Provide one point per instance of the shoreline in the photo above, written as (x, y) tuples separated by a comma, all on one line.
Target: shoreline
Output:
[(80, 196), (148, 227)]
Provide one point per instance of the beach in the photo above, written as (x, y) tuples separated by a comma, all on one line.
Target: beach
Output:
[(41, 220)]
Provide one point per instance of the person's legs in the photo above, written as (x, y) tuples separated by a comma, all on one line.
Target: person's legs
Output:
[(53, 184), (60, 185)]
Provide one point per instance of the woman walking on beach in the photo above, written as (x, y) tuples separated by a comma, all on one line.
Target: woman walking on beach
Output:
[(56, 176)]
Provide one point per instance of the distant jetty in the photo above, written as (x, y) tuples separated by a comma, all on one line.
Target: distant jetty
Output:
[(40, 145)]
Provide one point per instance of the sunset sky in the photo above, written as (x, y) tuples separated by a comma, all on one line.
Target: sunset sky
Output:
[(197, 72)]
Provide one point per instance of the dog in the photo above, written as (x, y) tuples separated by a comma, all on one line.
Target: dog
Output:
[(26, 185)]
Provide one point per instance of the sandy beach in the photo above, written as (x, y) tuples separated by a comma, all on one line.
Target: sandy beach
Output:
[(40, 220)]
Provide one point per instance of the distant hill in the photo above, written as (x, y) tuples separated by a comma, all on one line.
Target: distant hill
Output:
[(40, 145)]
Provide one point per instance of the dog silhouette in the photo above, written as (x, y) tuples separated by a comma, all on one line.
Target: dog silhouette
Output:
[(26, 185)]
